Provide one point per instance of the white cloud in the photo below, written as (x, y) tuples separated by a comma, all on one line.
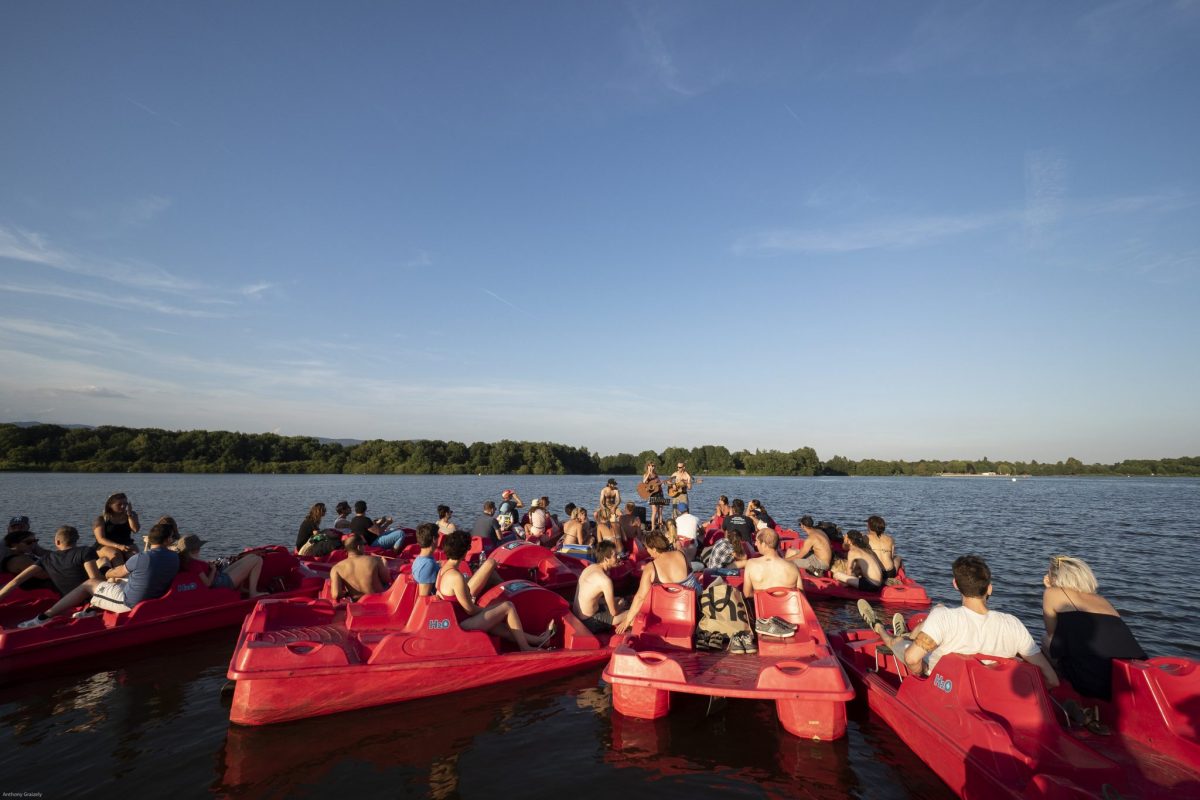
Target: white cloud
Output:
[(1046, 205), (111, 301), (256, 289), (33, 248), (423, 258), (94, 391), (892, 233)]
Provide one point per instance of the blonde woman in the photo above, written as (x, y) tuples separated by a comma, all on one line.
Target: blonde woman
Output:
[(1084, 633)]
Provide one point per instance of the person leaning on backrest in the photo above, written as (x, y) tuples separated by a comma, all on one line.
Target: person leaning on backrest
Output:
[(145, 576), (969, 629), (64, 569), (425, 566), (1084, 633)]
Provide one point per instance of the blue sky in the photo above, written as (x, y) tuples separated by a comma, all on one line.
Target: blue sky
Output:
[(882, 230)]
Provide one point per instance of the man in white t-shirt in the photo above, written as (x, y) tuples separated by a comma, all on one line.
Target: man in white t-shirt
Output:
[(968, 630)]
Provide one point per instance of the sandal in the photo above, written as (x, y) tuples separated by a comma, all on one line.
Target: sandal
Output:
[(552, 630)]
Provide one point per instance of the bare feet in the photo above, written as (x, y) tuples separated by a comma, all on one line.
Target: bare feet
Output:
[(253, 595)]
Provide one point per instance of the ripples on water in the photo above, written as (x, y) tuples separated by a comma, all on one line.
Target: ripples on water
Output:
[(155, 715)]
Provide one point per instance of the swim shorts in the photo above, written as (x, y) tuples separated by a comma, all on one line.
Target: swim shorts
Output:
[(600, 622)]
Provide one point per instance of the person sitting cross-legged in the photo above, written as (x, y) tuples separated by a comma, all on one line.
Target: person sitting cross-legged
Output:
[(144, 576), (969, 629)]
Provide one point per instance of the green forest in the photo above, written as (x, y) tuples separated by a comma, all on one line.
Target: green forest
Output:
[(52, 448)]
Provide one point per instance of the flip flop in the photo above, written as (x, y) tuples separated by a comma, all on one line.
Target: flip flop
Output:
[(551, 629), (868, 614)]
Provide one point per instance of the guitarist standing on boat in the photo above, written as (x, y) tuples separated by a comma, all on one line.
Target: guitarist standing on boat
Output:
[(654, 494), (680, 487)]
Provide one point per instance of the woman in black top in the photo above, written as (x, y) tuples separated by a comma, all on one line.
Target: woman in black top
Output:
[(1084, 633), (311, 525), (114, 530)]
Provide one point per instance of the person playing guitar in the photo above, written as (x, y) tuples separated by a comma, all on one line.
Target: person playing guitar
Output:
[(654, 487), (679, 487)]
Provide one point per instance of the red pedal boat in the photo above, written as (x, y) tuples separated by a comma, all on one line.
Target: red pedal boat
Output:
[(988, 727), (521, 560), (907, 593), (22, 603), (188, 607), (390, 647), (799, 673)]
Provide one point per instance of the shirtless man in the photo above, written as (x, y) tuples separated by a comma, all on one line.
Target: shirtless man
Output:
[(815, 554), (359, 574), (575, 529), (769, 571), (681, 479), (883, 546), (595, 604), (630, 523), (500, 619), (606, 531), (863, 568), (610, 495)]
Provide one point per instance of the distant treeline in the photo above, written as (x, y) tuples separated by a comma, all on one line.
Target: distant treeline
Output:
[(113, 449)]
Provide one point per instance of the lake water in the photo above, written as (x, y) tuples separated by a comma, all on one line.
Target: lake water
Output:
[(155, 720)]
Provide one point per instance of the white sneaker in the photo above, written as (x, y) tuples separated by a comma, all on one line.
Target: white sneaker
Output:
[(36, 622), (85, 613)]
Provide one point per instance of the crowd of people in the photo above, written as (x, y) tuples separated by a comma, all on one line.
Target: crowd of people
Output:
[(114, 567), (1083, 631)]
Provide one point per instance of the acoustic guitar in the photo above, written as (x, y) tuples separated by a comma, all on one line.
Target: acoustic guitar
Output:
[(647, 489)]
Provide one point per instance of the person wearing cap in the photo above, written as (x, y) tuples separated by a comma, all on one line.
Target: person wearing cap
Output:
[(510, 503), (20, 524), (64, 569), (610, 496), (535, 529), (144, 576), (241, 573), (18, 552)]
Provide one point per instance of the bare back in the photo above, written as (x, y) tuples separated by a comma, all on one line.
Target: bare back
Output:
[(884, 548), (671, 567), (865, 563), (594, 583), (817, 543), (359, 575), (573, 532), (770, 573), (605, 532)]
